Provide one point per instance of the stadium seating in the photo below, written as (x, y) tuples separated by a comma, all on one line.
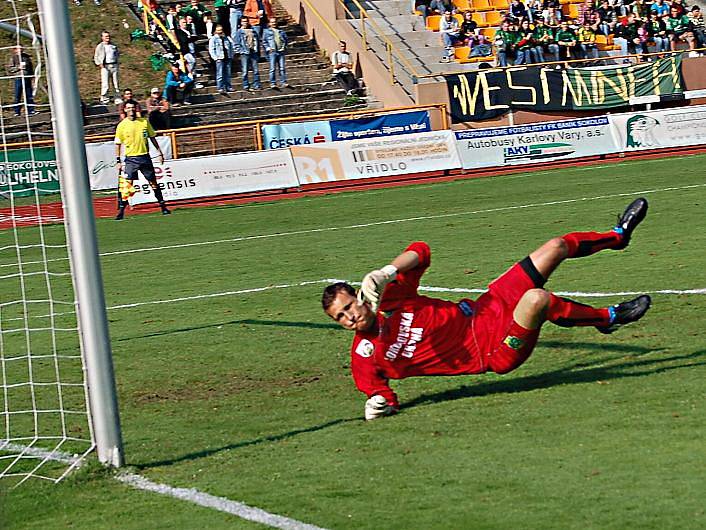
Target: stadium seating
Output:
[(461, 54), (479, 18), (433, 22), (493, 18), (482, 5)]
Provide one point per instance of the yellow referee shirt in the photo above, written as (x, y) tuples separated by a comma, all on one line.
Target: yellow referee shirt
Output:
[(134, 135)]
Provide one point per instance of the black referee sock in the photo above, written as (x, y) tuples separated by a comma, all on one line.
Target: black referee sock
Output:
[(158, 195), (121, 204)]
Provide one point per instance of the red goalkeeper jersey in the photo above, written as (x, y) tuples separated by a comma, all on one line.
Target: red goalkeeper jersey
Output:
[(417, 335)]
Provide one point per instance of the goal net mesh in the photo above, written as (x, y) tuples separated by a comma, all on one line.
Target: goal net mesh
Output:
[(45, 427)]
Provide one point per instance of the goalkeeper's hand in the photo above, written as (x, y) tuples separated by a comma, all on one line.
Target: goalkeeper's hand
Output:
[(374, 284), (377, 407)]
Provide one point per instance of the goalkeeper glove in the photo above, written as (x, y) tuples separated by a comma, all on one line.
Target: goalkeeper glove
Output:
[(377, 407), (374, 284)]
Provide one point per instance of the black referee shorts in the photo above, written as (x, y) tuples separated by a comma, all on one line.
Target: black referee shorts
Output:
[(142, 163)]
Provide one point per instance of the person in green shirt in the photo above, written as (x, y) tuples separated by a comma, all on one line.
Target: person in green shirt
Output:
[(544, 41), (505, 40), (566, 39), (223, 15), (679, 29), (197, 10), (525, 44)]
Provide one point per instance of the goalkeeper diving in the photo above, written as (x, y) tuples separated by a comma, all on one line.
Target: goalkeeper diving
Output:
[(399, 333)]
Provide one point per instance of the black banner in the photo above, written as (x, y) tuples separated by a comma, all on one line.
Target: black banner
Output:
[(491, 93)]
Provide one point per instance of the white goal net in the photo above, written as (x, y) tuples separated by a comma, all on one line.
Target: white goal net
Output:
[(45, 422)]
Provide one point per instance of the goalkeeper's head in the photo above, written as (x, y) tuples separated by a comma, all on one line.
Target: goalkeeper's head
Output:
[(341, 304)]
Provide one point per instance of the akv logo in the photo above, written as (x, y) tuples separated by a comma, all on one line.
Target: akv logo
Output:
[(163, 171), (641, 131)]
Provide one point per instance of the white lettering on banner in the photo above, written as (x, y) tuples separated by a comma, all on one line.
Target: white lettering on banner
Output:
[(540, 142), (190, 178), (376, 157), (636, 131), (407, 339)]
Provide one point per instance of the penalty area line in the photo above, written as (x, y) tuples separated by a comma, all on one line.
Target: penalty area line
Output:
[(423, 288)]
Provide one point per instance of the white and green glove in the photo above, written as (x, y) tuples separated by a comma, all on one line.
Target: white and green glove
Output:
[(374, 284), (377, 407)]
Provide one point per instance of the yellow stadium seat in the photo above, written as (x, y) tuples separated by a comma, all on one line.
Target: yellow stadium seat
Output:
[(500, 4), (433, 22), (573, 10), (488, 33), (459, 17), (462, 52), (481, 5), (480, 19), (493, 18), (562, 2), (463, 5)]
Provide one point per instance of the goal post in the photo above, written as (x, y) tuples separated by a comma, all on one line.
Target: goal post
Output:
[(81, 230)]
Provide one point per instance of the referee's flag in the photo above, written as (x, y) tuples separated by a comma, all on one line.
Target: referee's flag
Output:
[(125, 188)]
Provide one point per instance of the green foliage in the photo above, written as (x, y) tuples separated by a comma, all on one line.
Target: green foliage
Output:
[(249, 395), (351, 100)]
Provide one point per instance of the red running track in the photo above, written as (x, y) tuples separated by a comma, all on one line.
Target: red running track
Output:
[(105, 207)]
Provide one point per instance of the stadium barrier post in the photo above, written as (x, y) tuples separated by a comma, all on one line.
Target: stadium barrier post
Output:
[(81, 231)]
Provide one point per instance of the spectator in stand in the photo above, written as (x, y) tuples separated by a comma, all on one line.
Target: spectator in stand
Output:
[(157, 110), (468, 31), (566, 39), (258, 12), (236, 7), (544, 42), (107, 58), (128, 97), (450, 34), (432, 7), (660, 7), (608, 18), (197, 11), (679, 4), (22, 69), (623, 35), (177, 80), (222, 51), (534, 10), (525, 44), (586, 37), (275, 42), (657, 30), (210, 26), (248, 46), (187, 48), (588, 14), (171, 21), (518, 11), (505, 39), (343, 69), (643, 36), (223, 15), (697, 25), (678, 29), (548, 7)]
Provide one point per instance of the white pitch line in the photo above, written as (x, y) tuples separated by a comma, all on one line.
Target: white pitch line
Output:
[(401, 220), (375, 223), (191, 495), (221, 504)]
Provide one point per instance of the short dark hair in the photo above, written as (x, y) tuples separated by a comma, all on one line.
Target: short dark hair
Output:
[(331, 292)]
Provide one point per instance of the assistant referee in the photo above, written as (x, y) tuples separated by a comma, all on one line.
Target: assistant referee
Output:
[(133, 132)]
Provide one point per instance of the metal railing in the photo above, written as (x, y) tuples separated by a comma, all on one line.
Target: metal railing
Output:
[(241, 136), (638, 57), (322, 19), (392, 53)]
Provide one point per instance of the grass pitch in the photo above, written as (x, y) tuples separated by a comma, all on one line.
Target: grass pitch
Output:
[(248, 396)]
